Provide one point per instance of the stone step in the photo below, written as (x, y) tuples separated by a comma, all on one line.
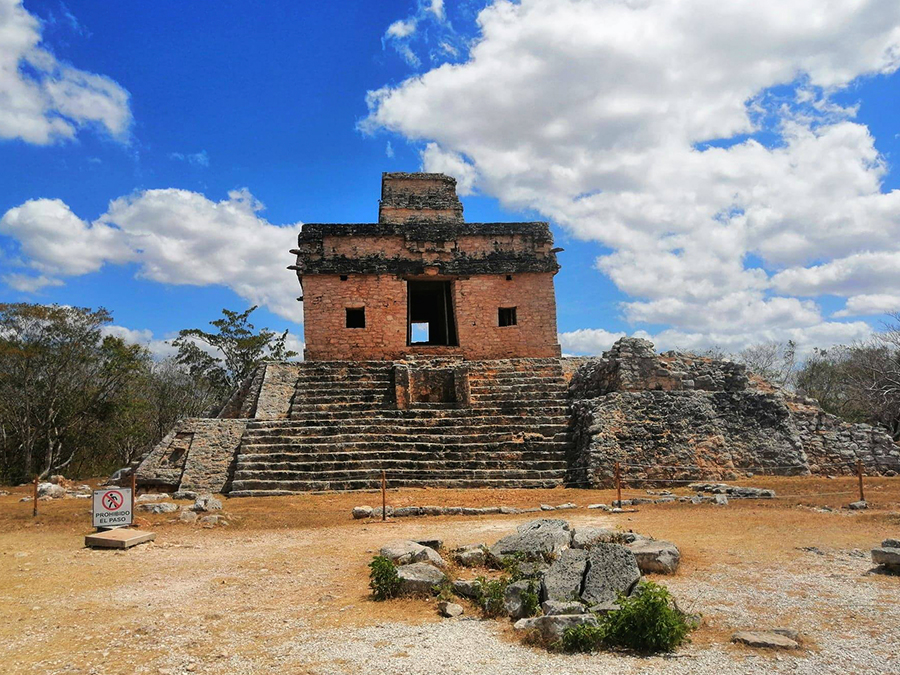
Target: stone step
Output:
[(485, 435), (348, 396), (516, 422), (519, 397), (319, 466), (525, 387), (326, 379), (399, 446), (450, 435), (517, 411), (250, 489), (360, 481)]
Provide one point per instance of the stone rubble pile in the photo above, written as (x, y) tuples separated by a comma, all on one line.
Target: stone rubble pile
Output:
[(733, 491), (572, 573), (187, 513), (59, 487), (718, 494), (888, 555)]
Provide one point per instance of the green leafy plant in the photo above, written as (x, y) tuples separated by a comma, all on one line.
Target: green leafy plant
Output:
[(583, 638), (383, 578), (492, 596), (531, 600), (511, 565), (444, 592), (648, 621)]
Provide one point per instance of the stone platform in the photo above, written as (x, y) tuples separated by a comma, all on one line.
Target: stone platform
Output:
[(336, 425), (511, 423)]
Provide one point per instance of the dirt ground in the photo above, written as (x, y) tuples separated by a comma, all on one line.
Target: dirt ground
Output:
[(283, 588)]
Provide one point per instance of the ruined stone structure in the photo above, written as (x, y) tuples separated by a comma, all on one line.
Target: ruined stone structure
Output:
[(680, 417), (423, 282), (432, 355)]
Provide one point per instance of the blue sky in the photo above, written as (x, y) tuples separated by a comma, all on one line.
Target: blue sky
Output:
[(705, 195)]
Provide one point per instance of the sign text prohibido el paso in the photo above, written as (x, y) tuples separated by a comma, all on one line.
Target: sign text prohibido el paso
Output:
[(112, 507)]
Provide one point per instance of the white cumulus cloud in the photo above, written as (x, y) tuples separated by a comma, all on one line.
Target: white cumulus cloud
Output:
[(42, 99), (175, 237), (863, 305), (633, 124)]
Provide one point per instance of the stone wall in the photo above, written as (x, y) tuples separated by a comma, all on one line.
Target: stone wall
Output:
[(276, 391), (676, 417), (476, 300), (210, 461), (418, 196), (197, 455)]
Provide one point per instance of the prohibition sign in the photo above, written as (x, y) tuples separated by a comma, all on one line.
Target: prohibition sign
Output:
[(113, 500)]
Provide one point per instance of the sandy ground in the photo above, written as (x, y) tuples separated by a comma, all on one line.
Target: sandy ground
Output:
[(283, 589)]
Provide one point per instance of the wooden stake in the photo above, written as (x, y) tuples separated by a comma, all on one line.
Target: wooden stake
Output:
[(859, 473), (133, 492), (383, 496), (619, 485), (35, 496)]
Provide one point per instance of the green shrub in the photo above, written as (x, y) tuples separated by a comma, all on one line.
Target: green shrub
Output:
[(510, 564), (648, 621), (531, 600), (444, 592), (492, 595), (383, 579), (583, 638)]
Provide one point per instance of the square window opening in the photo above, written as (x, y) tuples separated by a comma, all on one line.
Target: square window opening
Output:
[(507, 316), (356, 317)]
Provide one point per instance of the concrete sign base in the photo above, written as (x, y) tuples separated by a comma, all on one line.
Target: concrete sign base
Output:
[(118, 538)]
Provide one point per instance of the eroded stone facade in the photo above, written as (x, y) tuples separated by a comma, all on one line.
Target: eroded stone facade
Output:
[(421, 239), (677, 417)]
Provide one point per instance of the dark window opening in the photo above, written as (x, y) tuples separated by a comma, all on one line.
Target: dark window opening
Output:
[(356, 317), (176, 456), (507, 316), (343, 277), (430, 319), (509, 277)]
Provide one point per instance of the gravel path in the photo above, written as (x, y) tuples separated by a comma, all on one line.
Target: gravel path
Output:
[(295, 601)]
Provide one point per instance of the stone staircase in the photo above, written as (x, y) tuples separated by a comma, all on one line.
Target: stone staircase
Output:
[(344, 429)]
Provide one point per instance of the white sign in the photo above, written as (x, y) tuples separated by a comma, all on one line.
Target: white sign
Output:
[(112, 507)]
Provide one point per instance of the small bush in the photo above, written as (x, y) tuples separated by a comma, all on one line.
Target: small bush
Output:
[(383, 579), (510, 564), (444, 592), (583, 638), (492, 595), (531, 600), (648, 621)]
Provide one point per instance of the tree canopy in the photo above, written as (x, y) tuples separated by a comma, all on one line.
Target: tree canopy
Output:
[(75, 398)]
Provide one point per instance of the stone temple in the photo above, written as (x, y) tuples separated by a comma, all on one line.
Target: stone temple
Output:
[(432, 354)]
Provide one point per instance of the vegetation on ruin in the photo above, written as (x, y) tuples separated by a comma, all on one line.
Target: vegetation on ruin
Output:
[(648, 622), (531, 600), (491, 596), (383, 578), (239, 347), (77, 398), (858, 383)]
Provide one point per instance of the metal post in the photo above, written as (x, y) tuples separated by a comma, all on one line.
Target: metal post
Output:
[(619, 485), (859, 473), (383, 496), (35, 496)]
